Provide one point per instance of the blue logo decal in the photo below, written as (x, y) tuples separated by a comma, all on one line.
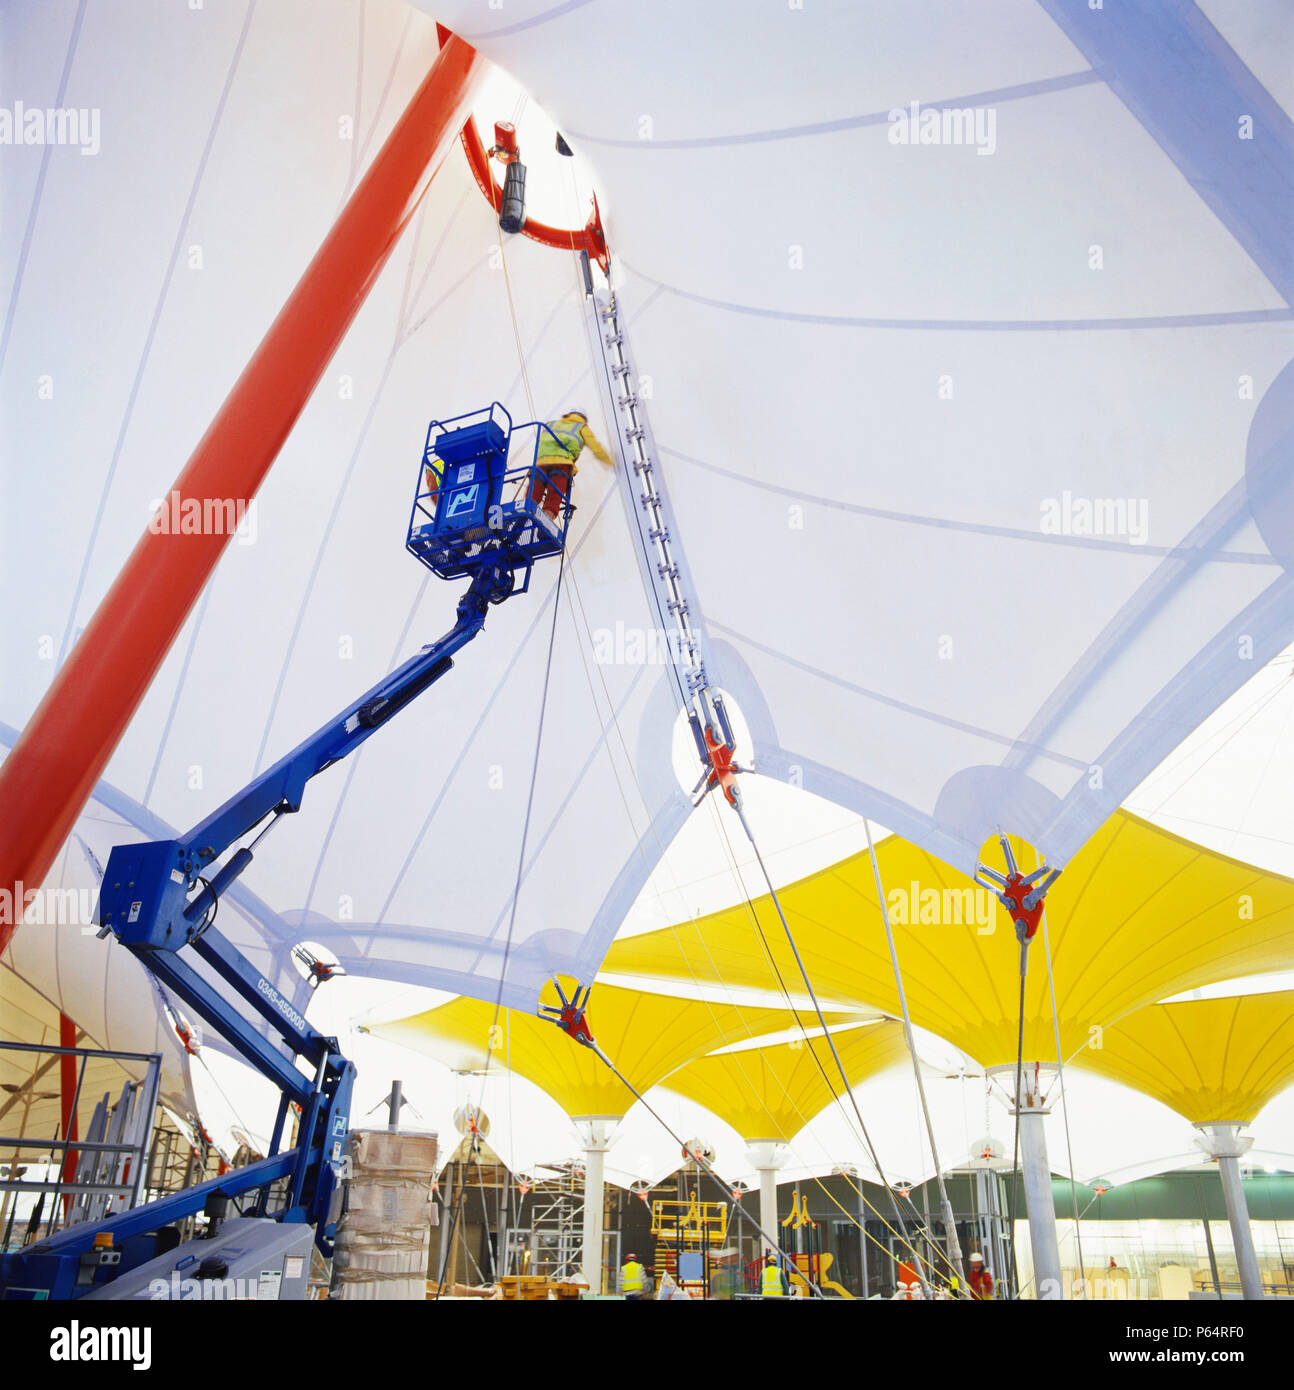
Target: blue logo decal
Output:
[(463, 501)]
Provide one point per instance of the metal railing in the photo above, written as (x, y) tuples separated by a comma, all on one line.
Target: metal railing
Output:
[(1231, 1288), (691, 1221), (110, 1169)]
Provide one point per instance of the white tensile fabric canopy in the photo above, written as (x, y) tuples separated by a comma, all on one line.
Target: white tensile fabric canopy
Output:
[(973, 452), (404, 862), (971, 441)]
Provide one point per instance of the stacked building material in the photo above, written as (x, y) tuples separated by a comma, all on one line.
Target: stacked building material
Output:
[(383, 1236)]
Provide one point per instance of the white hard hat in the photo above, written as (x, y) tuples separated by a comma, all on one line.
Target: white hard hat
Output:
[(977, 1256)]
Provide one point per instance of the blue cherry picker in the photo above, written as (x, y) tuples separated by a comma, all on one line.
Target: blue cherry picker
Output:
[(476, 515)]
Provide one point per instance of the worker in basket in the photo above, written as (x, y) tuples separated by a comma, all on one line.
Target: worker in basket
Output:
[(558, 450)]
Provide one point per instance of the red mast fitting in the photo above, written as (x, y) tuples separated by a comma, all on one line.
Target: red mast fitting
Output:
[(590, 237)]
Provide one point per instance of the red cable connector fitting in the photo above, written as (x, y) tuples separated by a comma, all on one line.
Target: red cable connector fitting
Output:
[(1013, 898), (1021, 894), (722, 772), (572, 1021), (569, 1014)]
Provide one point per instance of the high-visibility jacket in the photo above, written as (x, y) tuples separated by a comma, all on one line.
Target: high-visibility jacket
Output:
[(771, 1282), (567, 446), (631, 1277)]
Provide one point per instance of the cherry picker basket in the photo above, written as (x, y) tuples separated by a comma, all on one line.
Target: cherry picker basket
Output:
[(481, 490)]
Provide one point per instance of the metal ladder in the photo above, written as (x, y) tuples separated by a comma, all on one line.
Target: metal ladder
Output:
[(119, 1137)]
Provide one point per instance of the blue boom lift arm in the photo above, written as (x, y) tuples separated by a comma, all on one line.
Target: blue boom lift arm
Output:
[(160, 898)]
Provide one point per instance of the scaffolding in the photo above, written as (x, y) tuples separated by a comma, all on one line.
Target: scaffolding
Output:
[(550, 1244), (687, 1234)]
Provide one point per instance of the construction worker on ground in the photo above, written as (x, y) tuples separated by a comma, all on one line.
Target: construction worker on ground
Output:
[(773, 1282), (981, 1280), (558, 450), (633, 1279)]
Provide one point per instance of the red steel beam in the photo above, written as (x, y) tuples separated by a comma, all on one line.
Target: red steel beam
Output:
[(49, 775), (68, 1067)]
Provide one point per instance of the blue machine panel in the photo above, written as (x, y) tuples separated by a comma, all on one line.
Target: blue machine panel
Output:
[(469, 442), (144, 897)]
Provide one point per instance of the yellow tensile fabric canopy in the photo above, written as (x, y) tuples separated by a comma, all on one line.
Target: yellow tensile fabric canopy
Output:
[(1211, 1060), (646, 1035), (31, 1101), (1138, 915), (773, 1092)]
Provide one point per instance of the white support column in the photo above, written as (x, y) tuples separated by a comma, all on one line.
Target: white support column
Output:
[(767, 1156), (1225, 1143), (1036, 1171), (595, 1136), (1033, 1106)]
